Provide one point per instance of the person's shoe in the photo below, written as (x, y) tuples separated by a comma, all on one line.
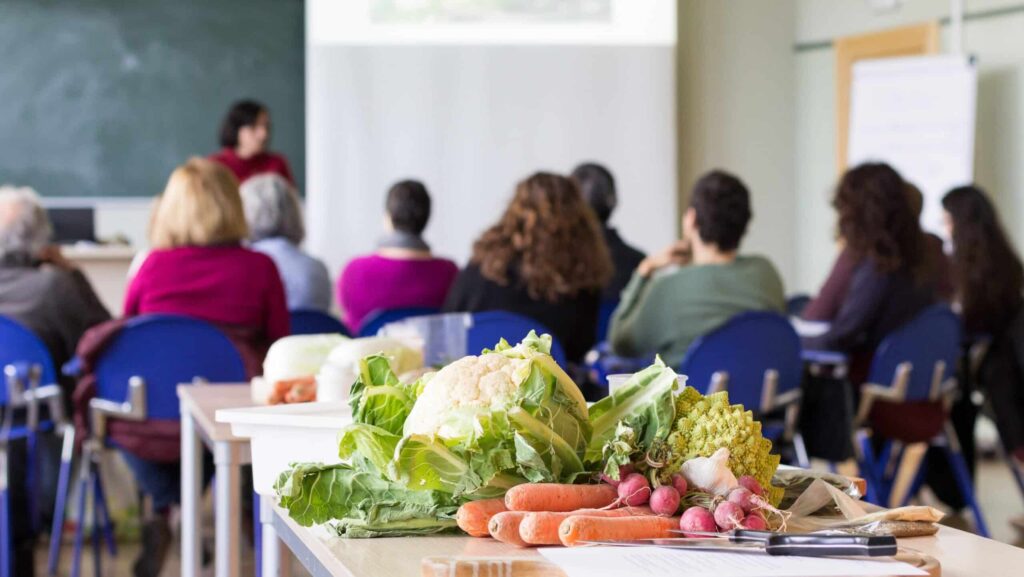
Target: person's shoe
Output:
[(156, 542)]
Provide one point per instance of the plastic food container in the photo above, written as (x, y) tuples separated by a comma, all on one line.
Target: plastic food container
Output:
[(285, 434)]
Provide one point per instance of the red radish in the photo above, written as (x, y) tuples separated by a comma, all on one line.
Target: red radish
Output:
[(745, 499), (624, 472), (665, 500), (755, 522), (634, 490), (697, 519), (679, 482), (728, 515), (749, 483)]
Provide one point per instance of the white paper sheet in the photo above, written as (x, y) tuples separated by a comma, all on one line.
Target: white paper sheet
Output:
[(661, 562)]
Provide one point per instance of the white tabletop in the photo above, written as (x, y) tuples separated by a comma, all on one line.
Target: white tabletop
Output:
[(960, 554)]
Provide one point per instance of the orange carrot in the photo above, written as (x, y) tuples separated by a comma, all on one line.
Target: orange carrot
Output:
[(474, 516), (578, 528), (556, 497), (505, 528), (541, 528)]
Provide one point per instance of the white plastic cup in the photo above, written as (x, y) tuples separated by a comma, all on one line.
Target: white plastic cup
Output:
[(616, 381)]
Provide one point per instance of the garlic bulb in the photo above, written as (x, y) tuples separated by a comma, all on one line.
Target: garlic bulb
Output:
[(710, 474)]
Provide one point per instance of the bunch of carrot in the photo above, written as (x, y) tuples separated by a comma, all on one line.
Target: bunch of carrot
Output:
[(555, 514)]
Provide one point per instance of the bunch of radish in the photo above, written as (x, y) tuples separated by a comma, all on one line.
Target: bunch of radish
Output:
[(744, 506)]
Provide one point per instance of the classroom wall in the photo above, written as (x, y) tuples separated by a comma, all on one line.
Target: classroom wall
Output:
[(996, 41), (736, 91)]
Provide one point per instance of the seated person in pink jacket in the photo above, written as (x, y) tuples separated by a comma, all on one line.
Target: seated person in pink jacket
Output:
[(403, 272), (199, 268)]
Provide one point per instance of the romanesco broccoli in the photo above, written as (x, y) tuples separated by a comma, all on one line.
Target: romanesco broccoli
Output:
[(705, 424)]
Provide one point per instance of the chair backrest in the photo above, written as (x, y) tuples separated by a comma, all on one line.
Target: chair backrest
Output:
[(377, 319), (604, 319), (22, 348), (746, 347), (165, 350), (491, 326), (931, 337), (313, 322)]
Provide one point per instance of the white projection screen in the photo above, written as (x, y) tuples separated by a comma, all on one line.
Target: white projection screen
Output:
[(472, 96)]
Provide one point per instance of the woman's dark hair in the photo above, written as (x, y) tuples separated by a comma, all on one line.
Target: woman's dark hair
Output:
[(988, 273), (242, 113), (876, 220), (722, 204), (408, 205), (549, 238), (597, 185)]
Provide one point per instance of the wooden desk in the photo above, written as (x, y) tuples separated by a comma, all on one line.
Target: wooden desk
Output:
[(199, 403), (961, 554)]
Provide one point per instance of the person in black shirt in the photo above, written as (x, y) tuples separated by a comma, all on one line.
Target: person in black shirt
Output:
[(598, 188), (544, 259)]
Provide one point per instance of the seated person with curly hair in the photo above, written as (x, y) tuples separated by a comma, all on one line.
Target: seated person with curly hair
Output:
[(698, 283)]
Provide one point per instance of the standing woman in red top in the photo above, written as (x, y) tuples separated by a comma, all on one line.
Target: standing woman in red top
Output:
[(244, 141)]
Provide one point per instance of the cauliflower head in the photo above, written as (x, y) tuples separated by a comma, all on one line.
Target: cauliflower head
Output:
[(705, 424), (468, 387)]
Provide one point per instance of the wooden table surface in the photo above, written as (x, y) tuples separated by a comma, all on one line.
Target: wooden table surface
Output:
[(203, 401), (961, 554)]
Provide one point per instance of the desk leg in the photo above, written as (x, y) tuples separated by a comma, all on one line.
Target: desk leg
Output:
[(191, 493), (275, 554), (227, 510)]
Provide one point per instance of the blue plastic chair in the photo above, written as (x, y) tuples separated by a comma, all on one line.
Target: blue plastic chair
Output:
[(918, 361), (377, 319), (30, 380), (756, 357), (137, 376), (487, 328), (314, 322), (604, 319)]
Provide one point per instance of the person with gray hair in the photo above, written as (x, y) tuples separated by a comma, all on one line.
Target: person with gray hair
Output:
[(42, 291), (597, 185), (276, 229)]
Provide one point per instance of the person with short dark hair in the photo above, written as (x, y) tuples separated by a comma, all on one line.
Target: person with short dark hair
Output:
[(403, 272), (245, 141), (598, 188), (699, 282)]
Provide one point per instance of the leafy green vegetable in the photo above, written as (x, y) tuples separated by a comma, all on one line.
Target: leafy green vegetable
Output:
[(362, 501), (473, 430), (635, 417)]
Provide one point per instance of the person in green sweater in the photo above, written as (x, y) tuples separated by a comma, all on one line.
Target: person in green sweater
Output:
[(699, 282)]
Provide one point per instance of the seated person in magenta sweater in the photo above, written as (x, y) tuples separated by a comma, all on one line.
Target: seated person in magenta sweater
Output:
[(199, 268), (700, 282), (598, 187), (50, 297), (274, 213), (244, 141), (544, 259), (403, 273)]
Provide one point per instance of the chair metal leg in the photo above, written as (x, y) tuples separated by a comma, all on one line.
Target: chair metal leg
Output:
[(800, 448), (6, 547), (83, 495), (97, 545), (868, 469), (103, 514), (63, 480), (31, 474), (963, 480), (919, 477)]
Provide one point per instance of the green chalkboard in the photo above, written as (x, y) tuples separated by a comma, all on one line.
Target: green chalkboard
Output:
[(106, 97)]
